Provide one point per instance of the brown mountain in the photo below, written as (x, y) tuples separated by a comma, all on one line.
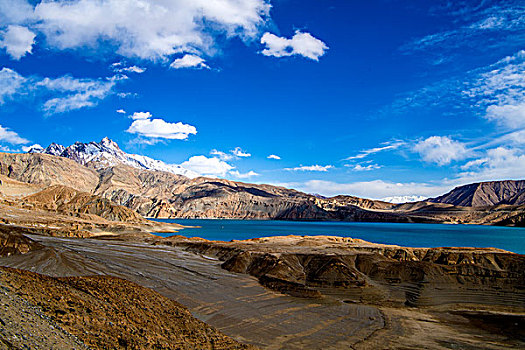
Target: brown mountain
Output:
[(485, 194), (66, 200), (161, 194)]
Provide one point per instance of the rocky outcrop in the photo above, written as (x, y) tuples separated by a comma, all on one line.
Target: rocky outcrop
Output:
[(374, 273), (13, 241), (43, 169), (485, 194)]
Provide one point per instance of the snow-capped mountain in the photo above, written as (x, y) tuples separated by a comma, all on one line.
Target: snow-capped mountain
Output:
[(107, 153), (403, 199)]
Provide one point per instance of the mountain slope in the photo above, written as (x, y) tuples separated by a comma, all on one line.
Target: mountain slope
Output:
[(44, 169), (485, 194), (66, 200), (161, 194)]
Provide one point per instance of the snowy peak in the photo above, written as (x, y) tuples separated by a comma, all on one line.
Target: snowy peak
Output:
[(107, 143), (107, 153), (54, 149), (403, 199)]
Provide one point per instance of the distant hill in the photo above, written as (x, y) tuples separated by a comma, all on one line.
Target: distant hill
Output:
[(485, 194)]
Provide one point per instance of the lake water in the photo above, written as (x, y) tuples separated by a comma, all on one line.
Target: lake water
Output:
[(410, 235)]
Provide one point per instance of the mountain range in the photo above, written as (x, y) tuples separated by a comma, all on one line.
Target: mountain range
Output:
[(107, 153), (159, 190)]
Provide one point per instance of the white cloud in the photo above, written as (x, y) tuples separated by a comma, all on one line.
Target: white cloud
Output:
[(511, 115), (148, 29), (388, 146), (359, 167), (239, 175), (63, 94), (376, 189), (274, 156), (189, 61), (121, 111), (75, 93), (303, 44), (11, 137), (440, 150), (238, 152), (221, 155), (11, 83), (36, 146), (501, 90), (131, 69), (207, 166), (17, 41), (501, 163), (144, 126), (141, 115), (311, 168)]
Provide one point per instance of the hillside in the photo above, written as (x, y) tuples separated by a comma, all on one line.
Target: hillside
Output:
[(485, 194), (100, 312), (66, 200), (163, 194)]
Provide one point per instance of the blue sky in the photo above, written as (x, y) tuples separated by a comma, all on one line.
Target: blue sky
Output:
[(368, 98)]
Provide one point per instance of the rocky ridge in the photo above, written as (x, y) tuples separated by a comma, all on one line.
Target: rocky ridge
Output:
[(107, 153), (373, 273), (485, 194), (163, 194)]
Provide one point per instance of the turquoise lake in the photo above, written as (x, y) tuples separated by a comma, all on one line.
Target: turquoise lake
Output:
[(410, 235)]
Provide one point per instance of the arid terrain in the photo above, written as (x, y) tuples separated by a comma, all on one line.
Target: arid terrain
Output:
[(80, 268), (103, 170), (309, 293)]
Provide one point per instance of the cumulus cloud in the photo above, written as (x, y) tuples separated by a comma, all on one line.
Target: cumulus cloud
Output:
[(11, 137), (144, 125), (274, 156), (311, 168), (189, 61), (239, 175), (221, 155), (511, 115), (369, 167), (141, 115), (207, 166), (147, 29), (440, 150), (17, 41), (121, 111), (238, 152), (500, 163), (303, 44)]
